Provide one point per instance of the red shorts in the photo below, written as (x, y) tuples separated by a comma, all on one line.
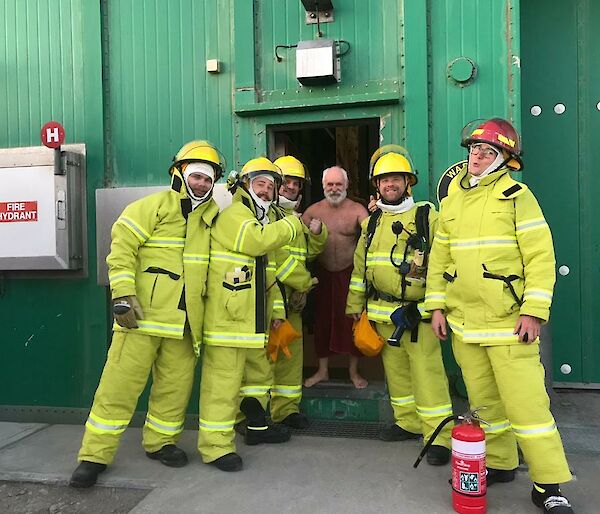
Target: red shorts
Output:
[(333, 329)]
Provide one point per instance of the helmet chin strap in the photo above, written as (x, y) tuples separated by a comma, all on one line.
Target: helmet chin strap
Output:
[(286, 203), (205, 169), (498, 163), (262, 206), (403, 205)]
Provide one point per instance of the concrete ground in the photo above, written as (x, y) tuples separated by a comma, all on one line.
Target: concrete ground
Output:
[(307, 475)]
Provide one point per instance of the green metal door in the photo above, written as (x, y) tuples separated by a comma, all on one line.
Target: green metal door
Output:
[(561, 120)]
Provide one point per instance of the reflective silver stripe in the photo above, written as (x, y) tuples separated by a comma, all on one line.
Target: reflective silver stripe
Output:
[(485, 335), (435, 296), (134, 227), (286, 268), (537, 293), (359, 285), (252, 390), (103, 426), (529, 224), (165, 428), (402, 400), (496, 428), (434, 411), (154, 241), (122, 277), (234, 337), (216, 426), (458, 243), (521, 431), (231, 257), (160, 327), (242, 233), (291, 227), (381, 311), (456, 327), (195, 258), (291, 391)]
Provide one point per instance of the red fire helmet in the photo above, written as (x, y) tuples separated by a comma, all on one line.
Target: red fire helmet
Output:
[(496, 132)]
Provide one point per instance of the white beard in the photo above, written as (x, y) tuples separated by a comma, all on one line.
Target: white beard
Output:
[(336, 198)]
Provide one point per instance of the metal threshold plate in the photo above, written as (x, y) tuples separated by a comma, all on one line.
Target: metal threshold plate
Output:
[(341, 429)]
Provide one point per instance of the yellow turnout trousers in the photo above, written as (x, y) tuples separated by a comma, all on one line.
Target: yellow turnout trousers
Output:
[(509, 381), (417, 382), (287, 385), (131, 358), (227, 375)]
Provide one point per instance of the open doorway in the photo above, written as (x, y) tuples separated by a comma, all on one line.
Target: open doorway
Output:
[(348, 144), (319, 145)]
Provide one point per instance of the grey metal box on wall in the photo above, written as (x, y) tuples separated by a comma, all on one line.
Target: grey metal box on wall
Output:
[(109, 205), (42, 209)]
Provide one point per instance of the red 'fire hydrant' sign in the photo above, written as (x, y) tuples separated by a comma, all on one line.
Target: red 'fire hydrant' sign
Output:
[(18, 211)]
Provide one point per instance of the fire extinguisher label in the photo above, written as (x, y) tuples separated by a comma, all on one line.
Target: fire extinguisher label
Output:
[(469, 482)]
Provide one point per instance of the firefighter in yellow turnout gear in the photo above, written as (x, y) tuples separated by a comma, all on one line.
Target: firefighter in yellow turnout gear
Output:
[(491, 276), (242, 299), (157, 269), (286, 392), (394, 277)]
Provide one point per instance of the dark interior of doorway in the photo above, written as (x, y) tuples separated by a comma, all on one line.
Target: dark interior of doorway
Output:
[(319, 145)]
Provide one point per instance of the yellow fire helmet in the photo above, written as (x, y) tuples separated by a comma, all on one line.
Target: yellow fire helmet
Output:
[(260, 166), (200, 151), (292, 167), (392, 159)]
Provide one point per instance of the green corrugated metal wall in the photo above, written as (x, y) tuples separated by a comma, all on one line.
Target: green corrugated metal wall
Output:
[(157, 94), (52, 332)]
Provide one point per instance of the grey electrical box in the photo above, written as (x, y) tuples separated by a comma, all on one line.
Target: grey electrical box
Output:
[(109, 206), (42, 208), (317, 62)]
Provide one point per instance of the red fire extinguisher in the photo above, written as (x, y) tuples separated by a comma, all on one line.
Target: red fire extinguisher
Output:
[(468, 463)]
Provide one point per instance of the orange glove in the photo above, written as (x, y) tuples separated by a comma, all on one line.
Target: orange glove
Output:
[(280, 338)]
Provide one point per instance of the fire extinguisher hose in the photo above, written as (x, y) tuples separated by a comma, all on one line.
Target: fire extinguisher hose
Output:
[(433, 436)]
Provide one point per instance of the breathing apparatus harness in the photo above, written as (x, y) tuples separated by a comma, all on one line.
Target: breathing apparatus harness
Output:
[(406, 316)]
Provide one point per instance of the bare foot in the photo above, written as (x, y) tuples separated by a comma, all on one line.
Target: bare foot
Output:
[(319, 376), (358, 381)]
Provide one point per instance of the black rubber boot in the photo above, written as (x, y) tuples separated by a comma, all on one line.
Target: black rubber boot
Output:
[(229, 462), (271, 434), (396, 433), (296, 420), (549, 498), (258, 431), (494, 476), (169, 455), (86, 474), (438, 455)]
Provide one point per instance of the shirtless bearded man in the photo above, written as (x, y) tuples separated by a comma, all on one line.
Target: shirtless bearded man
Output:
[(333, 329)]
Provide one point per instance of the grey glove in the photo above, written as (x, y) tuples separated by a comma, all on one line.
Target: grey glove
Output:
[(127, 311), (297, 301)]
